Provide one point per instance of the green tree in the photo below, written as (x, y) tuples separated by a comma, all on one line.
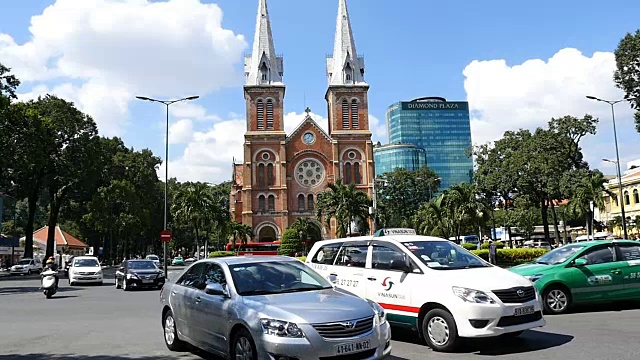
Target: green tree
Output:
[(346, 205), (627, 75), (401, 193), (194, 205), (240, 232), (290, 244)]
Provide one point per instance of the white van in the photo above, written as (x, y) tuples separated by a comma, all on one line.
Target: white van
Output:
[(430, 285)]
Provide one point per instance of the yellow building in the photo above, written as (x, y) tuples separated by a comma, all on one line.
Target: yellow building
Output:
[(630, 197)]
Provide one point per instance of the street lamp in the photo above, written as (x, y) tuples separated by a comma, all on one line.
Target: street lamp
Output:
[(166, 166), (621, 198), (373, 211)]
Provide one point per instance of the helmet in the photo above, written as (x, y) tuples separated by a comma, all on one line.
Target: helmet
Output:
[(50, 261)]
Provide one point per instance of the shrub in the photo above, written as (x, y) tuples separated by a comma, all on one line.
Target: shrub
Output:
[(486, 244), (302, 258), (217, 254), (512, 257), (470, 246), (290, 243)]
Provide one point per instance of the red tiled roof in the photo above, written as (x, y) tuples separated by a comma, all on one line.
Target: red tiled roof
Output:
[(62, 238)]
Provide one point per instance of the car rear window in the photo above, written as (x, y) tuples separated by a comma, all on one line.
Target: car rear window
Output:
[(326, 254)]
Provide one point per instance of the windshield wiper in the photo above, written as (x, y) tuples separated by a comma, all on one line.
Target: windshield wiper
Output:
[(542, 262), (301, 289), (257, 292)]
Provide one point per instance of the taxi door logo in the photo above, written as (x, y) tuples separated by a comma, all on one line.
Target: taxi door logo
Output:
[(387, 283)]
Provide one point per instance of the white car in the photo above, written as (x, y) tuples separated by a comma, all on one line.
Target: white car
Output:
[(85, 269), (431, 285), (154, 258), (26, 267)]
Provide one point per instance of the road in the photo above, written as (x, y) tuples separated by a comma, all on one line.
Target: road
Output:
[(100, 322)]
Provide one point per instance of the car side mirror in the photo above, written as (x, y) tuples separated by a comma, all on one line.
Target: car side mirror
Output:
[(403, 265), (333, 278), (216, 289), (580, 262)]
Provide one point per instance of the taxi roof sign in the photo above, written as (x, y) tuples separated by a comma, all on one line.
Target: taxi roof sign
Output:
[(395, 231)]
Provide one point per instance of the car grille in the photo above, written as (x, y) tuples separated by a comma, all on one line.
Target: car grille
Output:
[(147, 277), (344, 329), (517, 320), (357, 356), (516, 295), (87, 273)]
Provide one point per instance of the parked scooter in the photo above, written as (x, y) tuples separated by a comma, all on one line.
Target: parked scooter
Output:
[(49, 282)]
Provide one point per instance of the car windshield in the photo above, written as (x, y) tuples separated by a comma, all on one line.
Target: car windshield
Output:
[(444, 255), (86, 263), (24, 262), (142, 265), (152, 257), (559, 255), (272, 277)]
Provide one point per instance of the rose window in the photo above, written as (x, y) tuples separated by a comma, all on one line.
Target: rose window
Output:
[(309, 173)]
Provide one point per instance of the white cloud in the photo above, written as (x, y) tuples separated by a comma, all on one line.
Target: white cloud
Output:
[(378, 129), (293, 119), (528, 95), (120, 48), (181, 132)]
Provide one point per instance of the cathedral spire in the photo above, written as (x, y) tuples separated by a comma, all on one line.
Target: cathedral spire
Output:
[(345, 67), (263, 66)]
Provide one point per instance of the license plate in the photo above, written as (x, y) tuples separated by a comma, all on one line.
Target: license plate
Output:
[(527, 310), (147, 281), (352, 347)]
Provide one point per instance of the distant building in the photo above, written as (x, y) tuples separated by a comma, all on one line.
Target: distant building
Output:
[(630, 196), (440, 127), (392, 156)]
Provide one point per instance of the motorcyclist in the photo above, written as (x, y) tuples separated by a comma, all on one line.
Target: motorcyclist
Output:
[(51, 265)]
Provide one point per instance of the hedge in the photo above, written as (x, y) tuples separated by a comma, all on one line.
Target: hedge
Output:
[(302, 258), (217, 254), (512, 257), (469, 246), (486, 244)]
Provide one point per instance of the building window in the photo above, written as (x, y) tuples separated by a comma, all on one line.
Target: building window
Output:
[(269, 114), (270, 175), (345, 114), (261, 175), (356, 172), (626, 198), (636, 198), (310, 204), (300, 202), (272, 203), (354, 114), (348, 74), (614, 200), (347, 173), (260, 114), (264, 73), (261, 203)]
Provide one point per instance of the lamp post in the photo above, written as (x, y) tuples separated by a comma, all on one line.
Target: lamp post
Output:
[(617, 162), (373, 211), (166, 166), (621, 197)]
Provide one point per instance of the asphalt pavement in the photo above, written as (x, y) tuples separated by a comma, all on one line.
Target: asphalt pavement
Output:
[(100, 322)]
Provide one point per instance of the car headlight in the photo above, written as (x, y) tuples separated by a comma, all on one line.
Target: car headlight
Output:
[(473, 296), (533, 278), (280, 328), (382, 316), (132, 276)]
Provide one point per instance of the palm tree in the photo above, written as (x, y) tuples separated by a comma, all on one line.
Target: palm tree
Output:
[(240, 231), (193, 204), (346, 205), (587, 189)]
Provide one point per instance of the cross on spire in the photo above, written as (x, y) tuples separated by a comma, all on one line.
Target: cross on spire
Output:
[(307, 110)]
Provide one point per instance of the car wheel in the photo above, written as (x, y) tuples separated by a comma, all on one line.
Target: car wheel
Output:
[(439, 330), (556, 300), (243, 347), (29, 272), (171, 333), (117, 284)]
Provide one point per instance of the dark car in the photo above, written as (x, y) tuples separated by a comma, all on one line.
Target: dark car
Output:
[(137, 274)]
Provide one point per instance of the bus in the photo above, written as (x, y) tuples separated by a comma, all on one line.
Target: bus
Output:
[(256, 248)]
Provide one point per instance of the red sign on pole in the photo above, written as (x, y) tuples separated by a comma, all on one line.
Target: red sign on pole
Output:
[(165, 236)]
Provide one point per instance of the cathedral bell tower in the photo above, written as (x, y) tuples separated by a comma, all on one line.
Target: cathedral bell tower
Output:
[(264, 177)]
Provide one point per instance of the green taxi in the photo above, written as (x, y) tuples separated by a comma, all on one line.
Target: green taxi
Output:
[(585, 272)]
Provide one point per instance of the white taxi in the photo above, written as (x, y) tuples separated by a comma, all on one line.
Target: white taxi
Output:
[(431, 285), (85, 269)]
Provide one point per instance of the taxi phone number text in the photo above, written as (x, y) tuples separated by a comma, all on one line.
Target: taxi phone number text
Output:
[(347, 282)]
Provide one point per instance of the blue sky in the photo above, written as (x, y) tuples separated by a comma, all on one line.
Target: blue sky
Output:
[(412, 48)]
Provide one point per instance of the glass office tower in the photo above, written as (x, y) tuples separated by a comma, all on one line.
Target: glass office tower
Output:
[(392, 156), (440, 127)]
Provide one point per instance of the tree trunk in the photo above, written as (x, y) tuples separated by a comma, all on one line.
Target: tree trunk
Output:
[(556, 230), (197, 245), (545, 218), (54, 212), (33, 206)]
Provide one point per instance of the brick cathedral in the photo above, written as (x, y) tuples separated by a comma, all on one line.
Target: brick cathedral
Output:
[(282, 174)]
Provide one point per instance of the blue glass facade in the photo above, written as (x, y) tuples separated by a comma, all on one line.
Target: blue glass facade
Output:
[(392, 156), (442, 128)]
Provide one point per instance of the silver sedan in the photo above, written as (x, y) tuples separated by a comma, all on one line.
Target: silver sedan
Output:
[(270, 308)]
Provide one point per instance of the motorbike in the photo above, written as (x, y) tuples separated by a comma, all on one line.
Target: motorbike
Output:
[(49, 286)]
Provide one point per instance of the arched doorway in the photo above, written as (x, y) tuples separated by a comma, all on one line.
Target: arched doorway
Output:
[(267, 234)]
